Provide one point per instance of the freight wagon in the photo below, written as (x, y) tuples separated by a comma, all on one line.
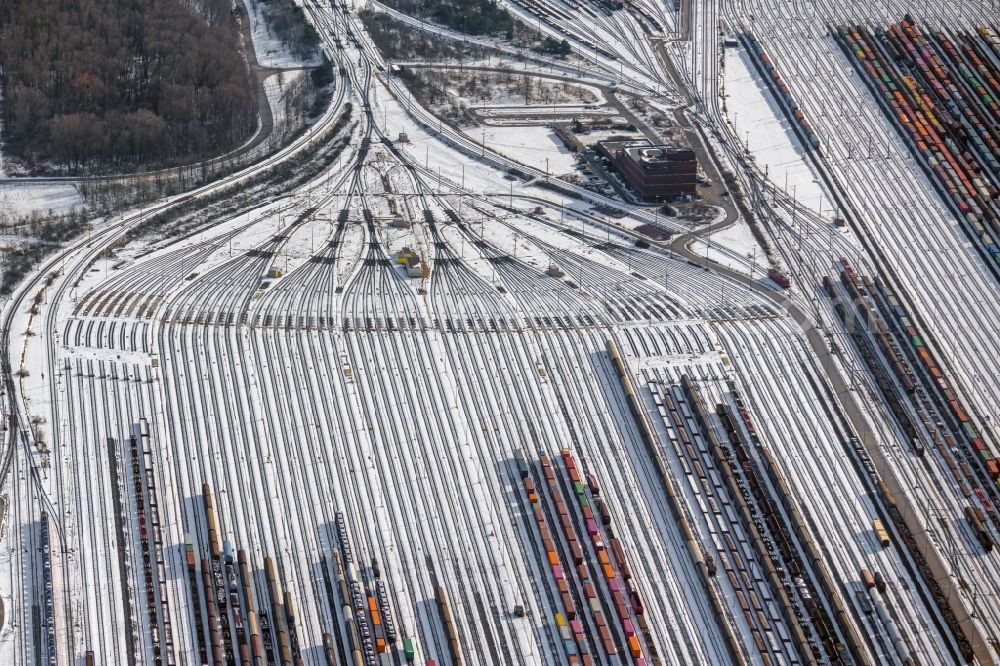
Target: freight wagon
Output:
[(880, 533)]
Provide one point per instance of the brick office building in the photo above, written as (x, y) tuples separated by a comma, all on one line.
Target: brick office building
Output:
[(653, 171)]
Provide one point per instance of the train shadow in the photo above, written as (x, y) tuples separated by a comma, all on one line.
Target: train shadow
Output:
[(324, 571), (764, 91), (433, 634), (639, 454), (314, 654), (507, 471), (867, 542), (32, 570), (616, 401), (191, 507), (174, 561)]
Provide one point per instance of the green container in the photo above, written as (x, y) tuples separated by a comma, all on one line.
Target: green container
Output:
[(917, 342), (408, 649)]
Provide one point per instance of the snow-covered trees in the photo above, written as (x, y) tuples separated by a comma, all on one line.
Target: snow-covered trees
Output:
[(121, 84)]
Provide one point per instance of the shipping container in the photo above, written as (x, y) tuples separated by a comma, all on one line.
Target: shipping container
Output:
[(880, 533)]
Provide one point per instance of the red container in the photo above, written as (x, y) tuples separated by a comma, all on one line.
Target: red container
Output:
[(993, 469)]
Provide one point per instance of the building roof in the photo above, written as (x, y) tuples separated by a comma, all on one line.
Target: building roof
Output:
[(613, 146), (646, 154), (652, 157)]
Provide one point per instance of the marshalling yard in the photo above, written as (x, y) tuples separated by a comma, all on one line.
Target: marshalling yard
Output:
[(439, 405)]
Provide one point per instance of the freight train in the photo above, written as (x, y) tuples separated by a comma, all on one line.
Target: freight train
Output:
[(942, 96), (776, 82)]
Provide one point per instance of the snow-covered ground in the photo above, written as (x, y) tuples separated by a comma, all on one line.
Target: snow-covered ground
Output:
[(425, 149), (733, 247), (753, 111), (271, 51), (592, 137), (21, 198), (277, 88), (533, 146), (512, 91)]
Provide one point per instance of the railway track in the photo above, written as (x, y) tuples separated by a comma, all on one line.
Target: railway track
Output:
[(343, 388)]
